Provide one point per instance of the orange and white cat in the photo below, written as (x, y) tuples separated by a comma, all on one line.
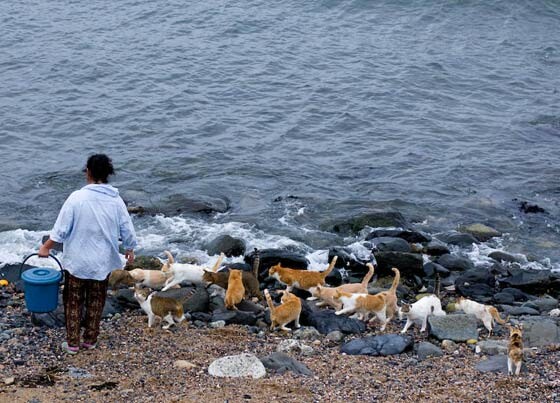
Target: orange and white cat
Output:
[(380, 304), (191, 273), (235, 289), (302, 279), (288, 311), (485, 313), (168, 309), (326, 294), (515, 349)]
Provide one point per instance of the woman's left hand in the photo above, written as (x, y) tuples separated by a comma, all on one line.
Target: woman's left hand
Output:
[(129, 255)]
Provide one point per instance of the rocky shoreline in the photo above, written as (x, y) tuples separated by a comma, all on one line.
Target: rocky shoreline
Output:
[(336, 358)]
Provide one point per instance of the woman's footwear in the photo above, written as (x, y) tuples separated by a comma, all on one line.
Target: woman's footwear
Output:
[(69, 349), (88, 346)]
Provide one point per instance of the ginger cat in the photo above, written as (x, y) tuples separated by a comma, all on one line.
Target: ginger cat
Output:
[(288, 311), (168, 309), (302, 279), (326, 294), (235, 290), (250, 280), (120, 277), (382, 305), (515, 349), (485, 313)]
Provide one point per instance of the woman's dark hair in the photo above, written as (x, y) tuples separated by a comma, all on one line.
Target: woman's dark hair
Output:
[(100, 167)]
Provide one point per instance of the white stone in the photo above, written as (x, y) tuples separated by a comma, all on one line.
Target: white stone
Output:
[(235, 366), (184, 364)]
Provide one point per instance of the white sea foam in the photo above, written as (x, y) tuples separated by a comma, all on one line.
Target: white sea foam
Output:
[(15, 245)]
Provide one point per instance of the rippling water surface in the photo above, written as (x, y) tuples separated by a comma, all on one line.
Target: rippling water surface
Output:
[(445, 111)]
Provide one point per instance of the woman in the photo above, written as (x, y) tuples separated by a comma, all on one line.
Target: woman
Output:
[(89, 225)]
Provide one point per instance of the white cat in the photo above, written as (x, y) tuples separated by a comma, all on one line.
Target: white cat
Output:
[(418, 312), (485, 313), (191, 273)]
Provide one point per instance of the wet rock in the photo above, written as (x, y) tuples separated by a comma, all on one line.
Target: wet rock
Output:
[(534, 281), (501, 256), (540, 331), (478, 284), (270, 257), (386, 344), (145, 263), (216, 296), (376, 219), (306, 333), (234, 317), (226, 244), (325, 321), (492, 347), (280, 363), (201, 316), (455, 263), (517, 295), (194, 299), (388, 244), (431, 268), (337, 277), (481, 232), (518, 310), (457, 327), (290, 345), (408, 235), (427, 350), (496, 363), (235, 366), (436, 248), (409, 264), (504, 298), (529, 208), (457, 238), (544, 304), (179, 203), (347, 260), (335, 336)]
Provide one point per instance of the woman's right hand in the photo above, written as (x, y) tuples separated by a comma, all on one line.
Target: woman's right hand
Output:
[(44, 251)]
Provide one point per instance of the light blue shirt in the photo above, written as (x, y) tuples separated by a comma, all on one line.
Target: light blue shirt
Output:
[(89, 225)]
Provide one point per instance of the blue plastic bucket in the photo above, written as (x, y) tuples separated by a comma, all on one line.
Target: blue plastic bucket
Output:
[(41, 287)]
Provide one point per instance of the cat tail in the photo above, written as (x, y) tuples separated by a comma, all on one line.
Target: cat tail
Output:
[(331, 267), (269, 301), (218, 263), (437, 285), (494, 312), (170, 260), (256, 263), (396, 280), (368, 275)]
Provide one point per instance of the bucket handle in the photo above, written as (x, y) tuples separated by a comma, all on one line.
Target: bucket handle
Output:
[(36, 254)]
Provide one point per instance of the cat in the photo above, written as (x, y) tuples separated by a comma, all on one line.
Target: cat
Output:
[(150, 278), (221, 278), (288, 311), (363, 304), (326, 294), (120, 277), (302, 279), (235, 290), (418, 312), (485, 313), (515, 349), (187, 272), (168, 309)]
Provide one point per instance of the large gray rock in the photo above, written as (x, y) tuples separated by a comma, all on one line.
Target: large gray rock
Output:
[(409, 264), (501, 256), (235, 366), (492, 347), (455, 263), (194, 299), (477, 284), (386, 344), (281, 362), (544, 304), (457, 238), (436, 248), (532, 281), (325, 321), (227, 245), (540, 331), (431, 268), (376, 219), (481, 232), (388, 244), (518, 310), (427, 350), (456, 327), (234, 317)]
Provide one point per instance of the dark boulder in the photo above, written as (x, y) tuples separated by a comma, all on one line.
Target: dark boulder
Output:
[(348, 260), (436, 248), (455, 263), (533, 281), (457, 238), (517, 295), (408, 235), (271, 257), (227, 245), (426, 350), (408, 263), (194, 300), (388, 244), (383, 345), (431, 268), (478, 284), (182, 204), (234, 317), (518, 310), (456, 327), (501, 256), (374, 219), (496, 363), (325, 321)]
